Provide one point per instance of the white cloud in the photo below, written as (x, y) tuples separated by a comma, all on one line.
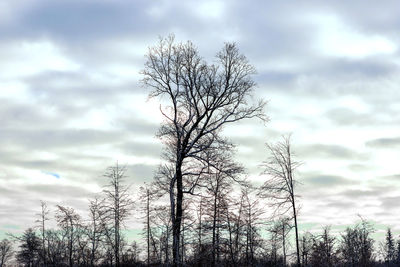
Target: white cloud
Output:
[(26, 58), (209, 9), (335, 38)]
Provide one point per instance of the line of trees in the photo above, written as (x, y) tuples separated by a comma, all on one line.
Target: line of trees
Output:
[(94, 241), (223, 229)]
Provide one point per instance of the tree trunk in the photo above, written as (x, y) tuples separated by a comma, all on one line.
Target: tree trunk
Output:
[(297, 233), (148, 227), (213, 230), (176, 220), (116, 221), (283, 243)]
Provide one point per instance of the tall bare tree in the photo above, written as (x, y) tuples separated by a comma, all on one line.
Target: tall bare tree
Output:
[(202, 99), (147, 197), (43, 217), (280, 187), (118, 206)]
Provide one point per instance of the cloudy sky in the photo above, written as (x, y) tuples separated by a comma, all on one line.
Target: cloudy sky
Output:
[(71, 103)]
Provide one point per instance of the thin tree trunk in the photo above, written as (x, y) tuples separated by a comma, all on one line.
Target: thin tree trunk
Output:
[(116, 221), (167, 248), (230, 238), (283, 243), (297, 233), (148, 228), (176, 222), (43, 240), (213, 230)]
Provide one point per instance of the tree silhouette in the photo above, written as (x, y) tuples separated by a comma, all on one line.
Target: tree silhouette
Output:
[(29, 253), (280, 187), (6, 251), (117, 207), (202, 99)]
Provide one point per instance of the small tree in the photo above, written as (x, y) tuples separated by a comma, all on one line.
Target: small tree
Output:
[(69, 221), (251, 215), (221, 173), (6, 251), (398, 252), (147, 198), (306, 248), (366, 243), (29, 248), (389, 247), (280, 230), (323, 252), (280, 187), (357, 245), (118, 205), (95, 228)]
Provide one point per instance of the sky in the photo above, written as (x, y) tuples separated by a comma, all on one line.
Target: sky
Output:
[(71, 101)]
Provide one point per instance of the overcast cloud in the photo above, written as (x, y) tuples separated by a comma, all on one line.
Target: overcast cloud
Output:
[(71, 103)]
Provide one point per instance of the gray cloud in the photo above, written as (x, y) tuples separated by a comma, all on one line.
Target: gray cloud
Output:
[(356, 193), (394, 177), (358, 167), (63, 18), (346, 117), (55, 138), (327, 181), (145, 149), (55, 191), (390, 203), (137, 126), (140, 173), (384, 142), (327, 151)]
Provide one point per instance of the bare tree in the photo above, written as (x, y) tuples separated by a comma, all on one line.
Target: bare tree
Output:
[(148, 229), (118, 206), (222, 172), (6, 251), (251, 217), (95, 228), (56, 247), (280, 230), (131, 255), (69, 221), (147, 198), (43, 217), (161, 234), (275, 244), (306, 248), (202, 99), (280, 187)]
